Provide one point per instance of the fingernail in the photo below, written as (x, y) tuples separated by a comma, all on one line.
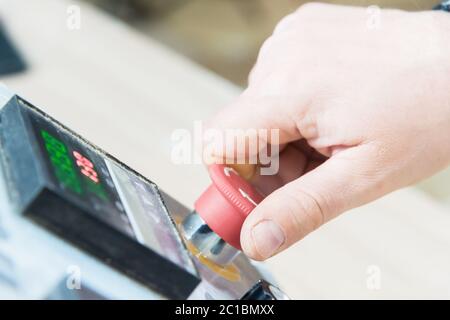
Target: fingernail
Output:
[(267, 238)]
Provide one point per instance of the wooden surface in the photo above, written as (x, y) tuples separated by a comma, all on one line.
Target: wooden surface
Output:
[(127, 94)]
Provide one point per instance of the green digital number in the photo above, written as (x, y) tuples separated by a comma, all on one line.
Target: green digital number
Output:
[(96, 189), (61, 162)]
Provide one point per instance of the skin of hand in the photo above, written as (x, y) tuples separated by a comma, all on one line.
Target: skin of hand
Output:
[(361, 112)]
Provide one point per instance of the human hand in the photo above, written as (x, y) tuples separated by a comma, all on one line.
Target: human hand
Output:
[(361, 112)]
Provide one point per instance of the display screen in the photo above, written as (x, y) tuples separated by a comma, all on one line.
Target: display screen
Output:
[(61, 162), (107, 189), (66, 165), (80, 173)]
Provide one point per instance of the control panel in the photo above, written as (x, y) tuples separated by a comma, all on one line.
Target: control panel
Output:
[(71, 211)]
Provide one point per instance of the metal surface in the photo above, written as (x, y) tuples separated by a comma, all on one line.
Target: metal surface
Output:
[(207, 241), (263, 290)]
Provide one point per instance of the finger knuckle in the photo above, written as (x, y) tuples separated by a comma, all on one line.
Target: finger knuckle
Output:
[(309, 8), (284, 23), (306, 209), (265, 48)]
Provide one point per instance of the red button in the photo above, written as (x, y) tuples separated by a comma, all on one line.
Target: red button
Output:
[(226, 203)]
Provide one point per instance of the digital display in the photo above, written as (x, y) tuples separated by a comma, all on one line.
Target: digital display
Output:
[(80, 173), (108, 190), (66, 171)]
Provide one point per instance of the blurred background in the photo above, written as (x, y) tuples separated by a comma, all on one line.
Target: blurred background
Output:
[(222, 35)]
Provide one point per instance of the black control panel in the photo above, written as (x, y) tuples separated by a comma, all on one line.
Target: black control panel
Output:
[(89, 198)]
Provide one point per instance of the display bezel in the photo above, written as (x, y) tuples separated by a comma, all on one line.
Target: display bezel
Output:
[(107, 209)]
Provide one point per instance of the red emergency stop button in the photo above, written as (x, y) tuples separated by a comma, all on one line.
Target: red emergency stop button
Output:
[(226, 203)]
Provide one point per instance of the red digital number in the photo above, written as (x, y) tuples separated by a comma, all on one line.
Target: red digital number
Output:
[(86, 166)]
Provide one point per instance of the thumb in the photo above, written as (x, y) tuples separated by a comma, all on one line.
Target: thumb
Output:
[(301, 206)]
